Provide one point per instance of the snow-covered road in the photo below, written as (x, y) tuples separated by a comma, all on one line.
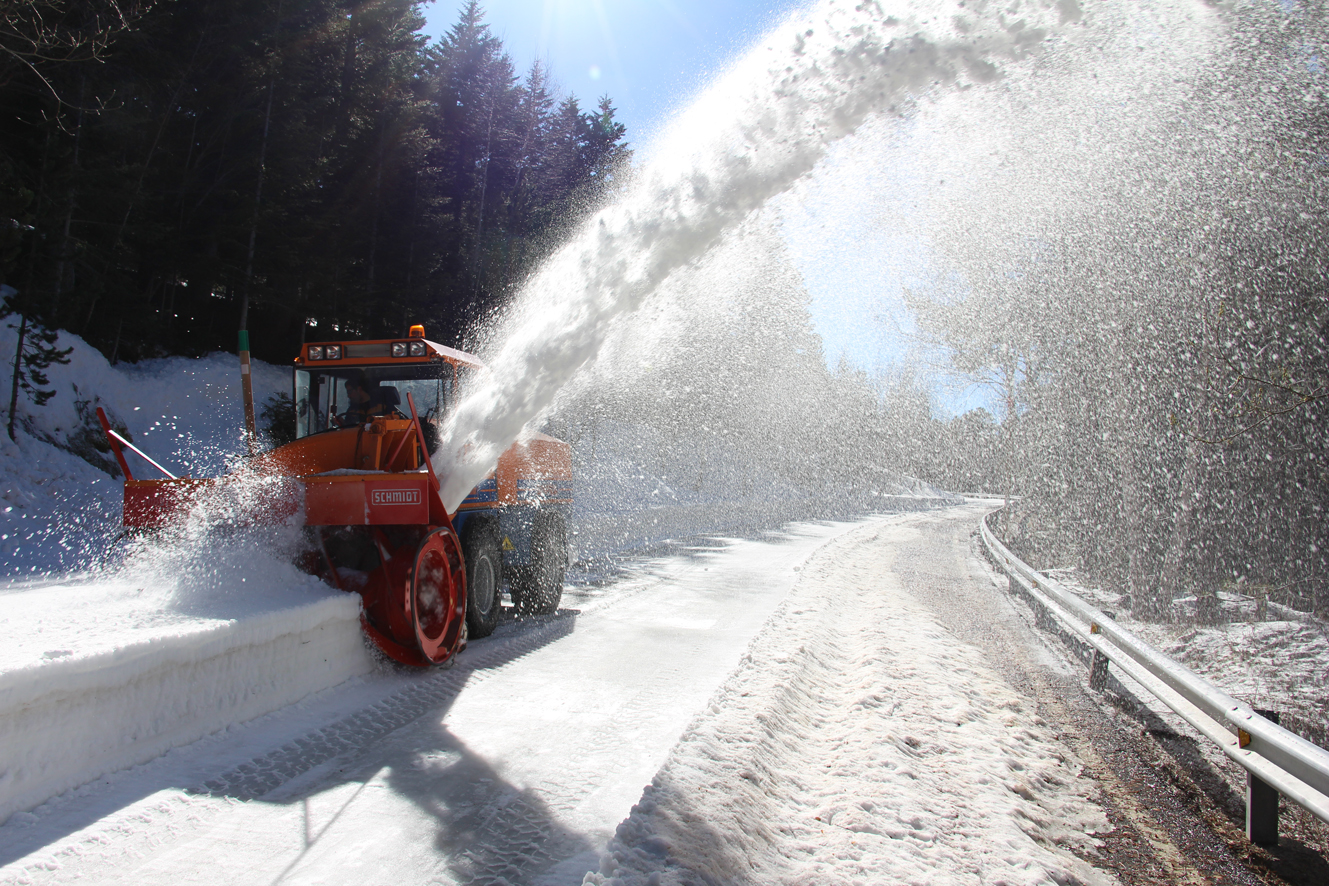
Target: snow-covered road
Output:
[(803, 716), (528, 752)]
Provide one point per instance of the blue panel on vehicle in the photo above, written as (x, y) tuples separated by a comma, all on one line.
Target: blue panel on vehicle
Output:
[(485, 491)]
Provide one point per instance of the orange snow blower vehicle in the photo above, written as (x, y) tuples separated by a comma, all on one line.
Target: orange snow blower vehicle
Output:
[(359, 476)]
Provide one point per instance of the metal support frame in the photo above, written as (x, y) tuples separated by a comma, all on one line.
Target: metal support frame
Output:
[(119, 444)]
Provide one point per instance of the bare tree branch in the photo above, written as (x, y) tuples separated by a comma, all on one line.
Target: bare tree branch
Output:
[(36, 34)]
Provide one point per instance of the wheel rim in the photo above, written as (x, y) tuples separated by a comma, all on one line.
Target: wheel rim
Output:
[(482, 588), (437, 601)]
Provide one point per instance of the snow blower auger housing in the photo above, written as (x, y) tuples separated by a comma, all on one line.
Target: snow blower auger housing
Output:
[(369, 497)]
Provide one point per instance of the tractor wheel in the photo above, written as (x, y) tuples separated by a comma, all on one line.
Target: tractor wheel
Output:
[(436, 595), (537, 588), (484, 579)]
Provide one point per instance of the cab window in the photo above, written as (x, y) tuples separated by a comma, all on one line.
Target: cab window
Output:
[(320, 396)]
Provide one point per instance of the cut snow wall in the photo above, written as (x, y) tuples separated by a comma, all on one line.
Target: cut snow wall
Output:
[(69, 721)]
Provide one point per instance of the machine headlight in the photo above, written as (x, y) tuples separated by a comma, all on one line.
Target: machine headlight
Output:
[(315, 352), (399, 349), (332, 352), (417, 349)]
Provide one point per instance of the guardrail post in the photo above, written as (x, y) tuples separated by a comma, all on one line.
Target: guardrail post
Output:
[(1262, 803), (1098, 671), (1098, 668)]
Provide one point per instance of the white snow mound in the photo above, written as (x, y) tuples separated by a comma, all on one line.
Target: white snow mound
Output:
[(185, 639), (72, 718)]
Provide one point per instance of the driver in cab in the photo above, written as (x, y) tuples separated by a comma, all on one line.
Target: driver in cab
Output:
[(366, 402)]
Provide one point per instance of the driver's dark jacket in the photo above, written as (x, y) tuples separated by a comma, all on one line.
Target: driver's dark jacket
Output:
[(365, 412)]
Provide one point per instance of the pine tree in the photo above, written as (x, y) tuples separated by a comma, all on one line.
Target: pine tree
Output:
[(311, 157), (35, 351)]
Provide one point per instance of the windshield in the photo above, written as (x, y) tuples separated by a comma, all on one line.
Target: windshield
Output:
[(322, 401)]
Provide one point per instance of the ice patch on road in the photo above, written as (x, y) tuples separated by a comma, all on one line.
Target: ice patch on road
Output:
[(860, 742)]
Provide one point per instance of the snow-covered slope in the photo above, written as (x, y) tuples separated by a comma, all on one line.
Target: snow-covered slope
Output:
[(72, 716), (1272, 659)]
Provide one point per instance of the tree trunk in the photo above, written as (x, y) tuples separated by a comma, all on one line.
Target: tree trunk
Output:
[(1188, 495), (258, 188), (1140, 584), (18, 367), (253, 223), (1169, 579), (70, 205), (378, 196)]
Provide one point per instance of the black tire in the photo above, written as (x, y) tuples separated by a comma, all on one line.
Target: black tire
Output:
[(538, 588), (484, 579)]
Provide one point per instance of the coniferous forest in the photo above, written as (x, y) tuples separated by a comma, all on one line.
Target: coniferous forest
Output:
[(174, 170)]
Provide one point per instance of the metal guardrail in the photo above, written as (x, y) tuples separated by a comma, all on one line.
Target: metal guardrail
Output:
[(1276, 760)]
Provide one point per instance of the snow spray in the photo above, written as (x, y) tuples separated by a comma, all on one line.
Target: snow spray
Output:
[(218, 559), (760, 128)]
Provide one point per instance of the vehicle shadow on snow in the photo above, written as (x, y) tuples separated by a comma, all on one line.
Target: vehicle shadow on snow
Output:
[(489, 830), (317, 760), (429, 692)]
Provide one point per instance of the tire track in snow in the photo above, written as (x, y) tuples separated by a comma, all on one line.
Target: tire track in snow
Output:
[(1121, 800), (315, 752), (519, 782)]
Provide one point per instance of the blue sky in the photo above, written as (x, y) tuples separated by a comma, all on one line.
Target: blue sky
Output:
[(647, 55)]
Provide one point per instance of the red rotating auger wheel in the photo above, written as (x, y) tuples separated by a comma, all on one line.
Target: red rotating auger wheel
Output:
[(436, 595), (415, 594), (415, 602)]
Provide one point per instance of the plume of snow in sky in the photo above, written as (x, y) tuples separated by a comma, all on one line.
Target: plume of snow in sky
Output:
[(767, 122)]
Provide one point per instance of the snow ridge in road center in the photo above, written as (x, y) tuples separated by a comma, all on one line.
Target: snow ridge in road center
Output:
[(859, 741)]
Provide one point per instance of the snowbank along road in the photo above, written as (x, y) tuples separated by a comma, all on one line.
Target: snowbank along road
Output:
[(843, 719)]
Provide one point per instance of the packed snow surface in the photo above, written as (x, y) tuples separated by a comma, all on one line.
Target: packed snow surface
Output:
[(158, 594), (860, 742), (97, 677), (545, 731)]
